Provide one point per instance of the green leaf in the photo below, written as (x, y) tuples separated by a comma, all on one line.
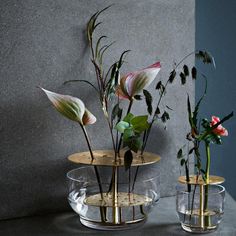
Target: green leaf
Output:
[(180, 153), (98, 44), (148, 99), (194, 72), (139, 123), (128, 117), (160, 87), (191, 150), (214, 138), (71, 107), (138, 97), (183, 78), (205, 57), (121, 58), (182, 162), (128, 159), (165, 116), (157, 111), (116, 68), (172, 76), (128, 133), (121, 126), (102, 50), (116, 112), (186, 70), (91, 25), (134, 143), (190, 118)]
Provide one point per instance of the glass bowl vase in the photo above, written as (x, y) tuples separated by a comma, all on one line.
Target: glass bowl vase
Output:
[(99, 207), (200, 207)]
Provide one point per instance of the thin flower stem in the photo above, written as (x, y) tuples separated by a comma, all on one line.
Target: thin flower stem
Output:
[(101, 88), (121, 136), (159, 101), (92, 157), (207, 174), (208, 162)]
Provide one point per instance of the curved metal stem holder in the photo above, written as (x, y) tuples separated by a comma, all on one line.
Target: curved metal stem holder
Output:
[(114, 203), (203, 205)]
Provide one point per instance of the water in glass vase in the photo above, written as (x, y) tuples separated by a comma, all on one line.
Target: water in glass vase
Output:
[(193, 221)]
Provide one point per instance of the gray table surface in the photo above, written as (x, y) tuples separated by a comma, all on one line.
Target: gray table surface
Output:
[(162, 221)]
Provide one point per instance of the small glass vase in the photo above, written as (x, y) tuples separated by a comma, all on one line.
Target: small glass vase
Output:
[(200, 207), (132, 206)]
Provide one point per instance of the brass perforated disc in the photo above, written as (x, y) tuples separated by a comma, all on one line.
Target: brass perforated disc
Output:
[(123, 200), (106, 158), (193, 180)]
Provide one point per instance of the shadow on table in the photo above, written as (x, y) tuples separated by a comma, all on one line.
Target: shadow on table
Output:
[(69, 224)]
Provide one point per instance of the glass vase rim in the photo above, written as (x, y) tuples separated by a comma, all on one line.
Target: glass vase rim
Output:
[(221, 190), (91, 167)]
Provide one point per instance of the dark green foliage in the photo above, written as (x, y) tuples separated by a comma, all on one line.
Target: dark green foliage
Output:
[(194, 72), (190, 118), (128, 159), (183, 78), (205, 57), (148, 99), (92, 25), (116, 112), (165, 116), (180, 153), (160, 87), (172, 76), (138, 97), (157, 111), (186, 70), (191, 150), (182, 162), (132, 127)]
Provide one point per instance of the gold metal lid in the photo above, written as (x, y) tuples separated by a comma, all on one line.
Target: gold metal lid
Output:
[(199, 181), (106, 158)]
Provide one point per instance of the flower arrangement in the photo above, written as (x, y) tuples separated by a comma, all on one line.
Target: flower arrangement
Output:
[(204, 213), (127, 130), (202, 131)]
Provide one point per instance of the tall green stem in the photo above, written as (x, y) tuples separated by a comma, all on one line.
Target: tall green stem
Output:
[(207, 173), (208, 162)]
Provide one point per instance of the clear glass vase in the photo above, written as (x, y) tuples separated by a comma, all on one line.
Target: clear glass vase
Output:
[(200, 207), (99, 210)]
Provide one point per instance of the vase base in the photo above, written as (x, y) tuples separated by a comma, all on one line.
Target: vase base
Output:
[(111, 226), (198, 229)]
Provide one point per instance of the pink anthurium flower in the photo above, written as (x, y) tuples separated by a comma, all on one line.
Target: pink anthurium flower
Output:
[(219, 130), (71, 107), (133, 83)]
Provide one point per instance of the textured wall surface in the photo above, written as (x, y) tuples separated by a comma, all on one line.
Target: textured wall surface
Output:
[(43, 43), (219, 36)]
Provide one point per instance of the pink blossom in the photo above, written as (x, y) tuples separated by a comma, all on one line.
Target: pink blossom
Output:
[(133, 83), (220, 130)]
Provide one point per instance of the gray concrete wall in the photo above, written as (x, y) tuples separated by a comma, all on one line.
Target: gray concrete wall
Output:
[(216, 31), (43, 43)]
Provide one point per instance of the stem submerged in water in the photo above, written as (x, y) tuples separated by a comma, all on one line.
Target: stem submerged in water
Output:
[(102, 209), (207, 176)]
